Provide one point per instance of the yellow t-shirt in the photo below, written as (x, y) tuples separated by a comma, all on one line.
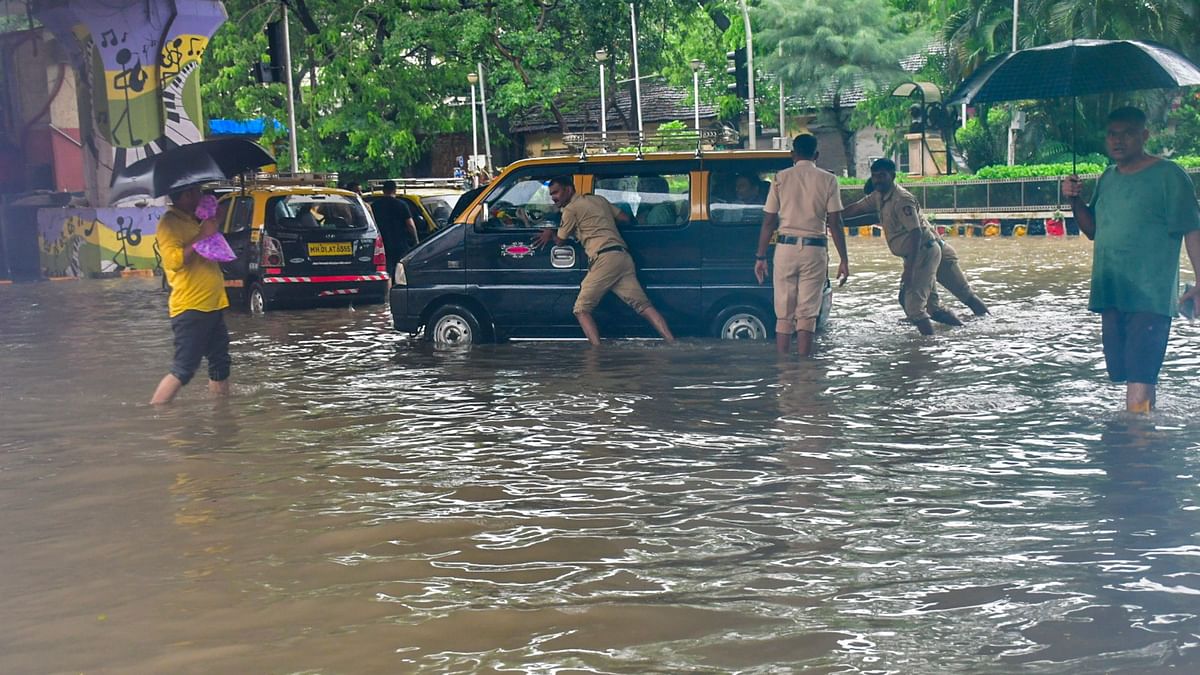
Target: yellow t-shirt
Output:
[(197, 284)]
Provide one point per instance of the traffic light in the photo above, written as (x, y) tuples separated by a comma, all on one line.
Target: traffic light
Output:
[(265, 73), (736, 66), (275, 49), (262, 73)]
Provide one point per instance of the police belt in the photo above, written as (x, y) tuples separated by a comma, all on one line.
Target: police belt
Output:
[(807, 241), (610, 249)]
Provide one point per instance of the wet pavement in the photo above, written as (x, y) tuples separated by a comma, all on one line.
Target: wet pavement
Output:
[(364, 503)]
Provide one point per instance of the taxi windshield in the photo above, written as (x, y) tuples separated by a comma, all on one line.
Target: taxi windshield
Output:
[(316, 211)]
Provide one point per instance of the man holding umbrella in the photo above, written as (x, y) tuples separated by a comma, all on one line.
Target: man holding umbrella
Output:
[(197, 301), (1143, 208)]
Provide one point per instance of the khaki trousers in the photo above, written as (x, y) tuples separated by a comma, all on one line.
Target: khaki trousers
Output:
[(935, 262), (799, 280)]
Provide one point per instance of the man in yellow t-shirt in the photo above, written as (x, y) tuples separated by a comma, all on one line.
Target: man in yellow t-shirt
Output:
[(197, 301)]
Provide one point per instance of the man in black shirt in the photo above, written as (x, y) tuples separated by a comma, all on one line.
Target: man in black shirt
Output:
[(396, 225)]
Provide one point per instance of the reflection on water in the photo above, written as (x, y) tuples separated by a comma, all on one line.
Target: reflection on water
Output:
[(367, 504)]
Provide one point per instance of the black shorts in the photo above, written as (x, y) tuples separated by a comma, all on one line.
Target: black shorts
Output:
[(1134, 345), (200, 335)]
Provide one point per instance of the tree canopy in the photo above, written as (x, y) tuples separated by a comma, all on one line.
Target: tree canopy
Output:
[(379, 80)]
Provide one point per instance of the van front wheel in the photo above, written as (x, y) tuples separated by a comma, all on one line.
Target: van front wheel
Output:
[(741, 322), (453, 326)]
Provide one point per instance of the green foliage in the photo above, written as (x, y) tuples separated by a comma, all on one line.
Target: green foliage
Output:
[(1038, 170), (1184, 122), (983, 138), (379, 81)]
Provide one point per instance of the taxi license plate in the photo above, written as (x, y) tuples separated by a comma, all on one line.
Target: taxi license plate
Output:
[(326, 248)]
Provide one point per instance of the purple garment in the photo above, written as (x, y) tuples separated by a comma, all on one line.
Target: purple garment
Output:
[(214, 247)]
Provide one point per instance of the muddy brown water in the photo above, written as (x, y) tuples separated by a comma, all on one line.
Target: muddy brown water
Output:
[(364, 503)]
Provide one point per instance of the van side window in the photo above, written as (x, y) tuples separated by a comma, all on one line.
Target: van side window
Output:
[(737, 197), (523, 203), (243, 213), (650, 199)]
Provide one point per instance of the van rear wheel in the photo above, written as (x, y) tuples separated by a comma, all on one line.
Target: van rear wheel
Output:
[(741, 322), (454, 326)]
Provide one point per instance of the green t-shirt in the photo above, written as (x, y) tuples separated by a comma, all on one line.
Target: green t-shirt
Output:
[(1140, 222)]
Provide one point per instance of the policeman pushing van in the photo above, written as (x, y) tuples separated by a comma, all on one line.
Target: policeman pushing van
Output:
[(592, 220)]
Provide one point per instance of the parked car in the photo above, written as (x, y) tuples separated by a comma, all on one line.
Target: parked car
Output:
[(691, 236), (300, 245)]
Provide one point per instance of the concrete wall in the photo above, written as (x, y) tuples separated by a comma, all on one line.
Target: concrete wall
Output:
[(86, 242)]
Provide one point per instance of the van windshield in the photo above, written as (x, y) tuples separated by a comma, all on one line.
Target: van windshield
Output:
[(317, 212)]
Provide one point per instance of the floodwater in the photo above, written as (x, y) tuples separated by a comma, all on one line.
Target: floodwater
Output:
[(969, 503)]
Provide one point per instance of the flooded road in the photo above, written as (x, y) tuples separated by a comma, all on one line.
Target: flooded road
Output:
[(967, 503)]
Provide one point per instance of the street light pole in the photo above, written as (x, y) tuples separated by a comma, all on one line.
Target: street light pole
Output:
[(637, 77), (473, 78), (1012, 123), (750, 74), (782, 109), (293, 153), (487, 141), (697, 66), (601, 57)]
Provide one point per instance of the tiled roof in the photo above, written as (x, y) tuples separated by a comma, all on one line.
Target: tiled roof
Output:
[(660, 103)]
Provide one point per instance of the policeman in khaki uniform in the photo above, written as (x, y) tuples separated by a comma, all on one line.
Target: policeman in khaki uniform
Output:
[(803, 202), (926, 256), (592, 220)]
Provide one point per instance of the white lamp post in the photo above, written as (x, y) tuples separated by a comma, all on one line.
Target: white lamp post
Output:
[(697, 66), (601, 57), (487, 141), (473, 78)]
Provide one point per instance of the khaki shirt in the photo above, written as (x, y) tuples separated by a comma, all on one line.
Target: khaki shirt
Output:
[(591, 220), (901, 218), (198, 284), (802, 196)]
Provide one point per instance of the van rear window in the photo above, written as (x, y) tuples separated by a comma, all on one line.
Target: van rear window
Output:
[(316, 212)]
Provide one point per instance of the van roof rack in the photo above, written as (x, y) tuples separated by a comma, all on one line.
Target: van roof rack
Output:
[(636, 142), (405, 184)]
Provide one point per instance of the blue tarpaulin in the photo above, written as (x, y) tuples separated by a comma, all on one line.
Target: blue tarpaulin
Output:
[(219, 127)]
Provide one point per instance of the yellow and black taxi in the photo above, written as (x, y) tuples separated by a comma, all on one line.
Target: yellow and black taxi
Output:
[(300, 244), (693, 228), (429, 199)]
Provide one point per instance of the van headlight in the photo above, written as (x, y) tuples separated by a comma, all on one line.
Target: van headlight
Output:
[(399, 279)]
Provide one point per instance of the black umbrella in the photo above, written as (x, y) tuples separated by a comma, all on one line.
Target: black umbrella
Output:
[(191, 164), (1076, 68)]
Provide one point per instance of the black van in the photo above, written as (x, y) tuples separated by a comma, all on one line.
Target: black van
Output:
[(692, 234), (300, 245)]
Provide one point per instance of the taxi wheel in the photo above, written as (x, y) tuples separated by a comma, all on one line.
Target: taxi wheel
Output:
[(454, 326), (741, 322), (256, 299)]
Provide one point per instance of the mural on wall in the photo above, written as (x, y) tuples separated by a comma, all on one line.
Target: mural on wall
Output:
[(146, 54), (92, 242)]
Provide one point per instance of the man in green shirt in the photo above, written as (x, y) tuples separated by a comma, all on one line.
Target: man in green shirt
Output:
[(1143, 208)]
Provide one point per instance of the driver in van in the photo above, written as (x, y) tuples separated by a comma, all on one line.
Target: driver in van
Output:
[(592, 220)]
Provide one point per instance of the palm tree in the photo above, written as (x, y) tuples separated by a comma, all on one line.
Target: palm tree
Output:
[(825, 51)]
